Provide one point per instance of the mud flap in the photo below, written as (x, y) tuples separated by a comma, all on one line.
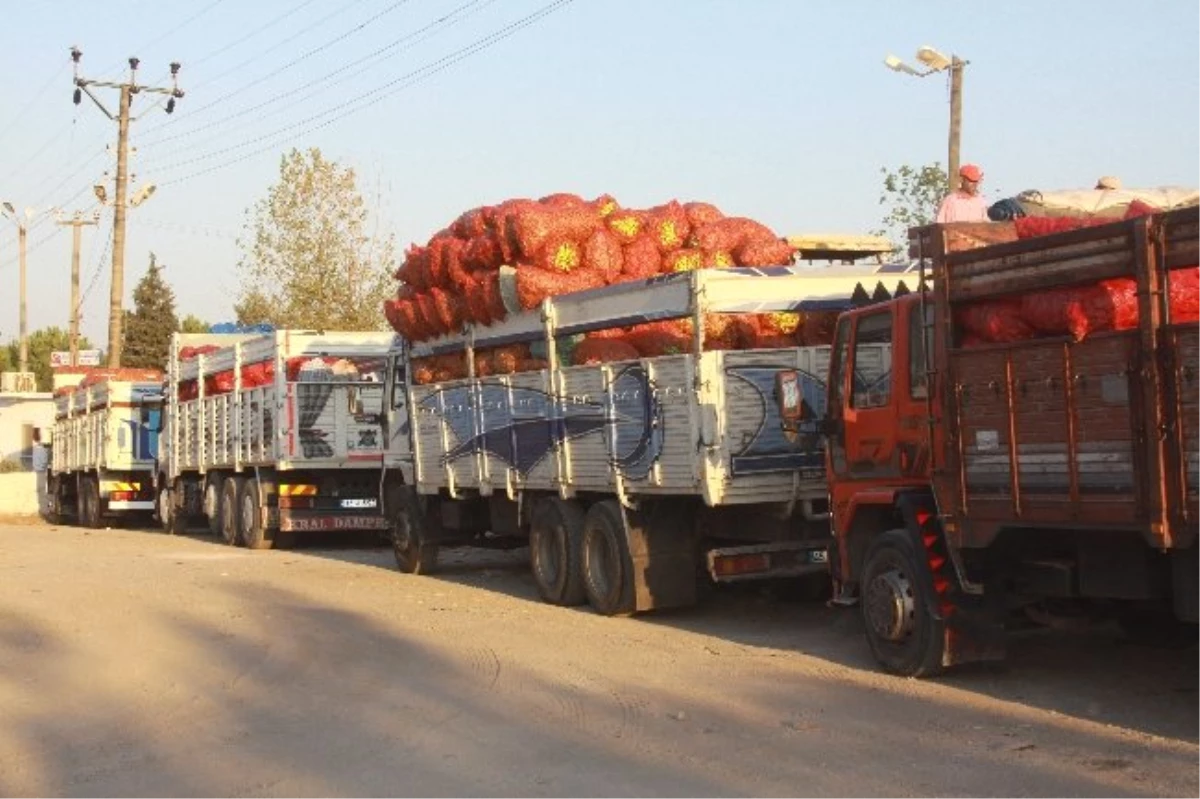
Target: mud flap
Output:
[(973, 622), (663, 555)]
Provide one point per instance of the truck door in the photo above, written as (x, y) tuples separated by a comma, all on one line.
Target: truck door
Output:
[(866, 433), (397, 428)]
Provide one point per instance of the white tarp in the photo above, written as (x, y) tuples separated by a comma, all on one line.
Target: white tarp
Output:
[(1103, 202)]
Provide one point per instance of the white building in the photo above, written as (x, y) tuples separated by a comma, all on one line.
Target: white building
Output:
[(20, 415)]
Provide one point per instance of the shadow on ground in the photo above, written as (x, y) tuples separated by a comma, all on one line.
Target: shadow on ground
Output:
[(273, 692)]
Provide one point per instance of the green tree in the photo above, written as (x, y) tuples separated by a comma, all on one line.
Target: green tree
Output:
[(193, 324), (147, 330), (41, 344), (255, 309), (910, 197), (308, 260)]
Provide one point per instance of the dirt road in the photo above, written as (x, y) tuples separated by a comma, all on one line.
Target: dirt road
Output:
[(136, 664)]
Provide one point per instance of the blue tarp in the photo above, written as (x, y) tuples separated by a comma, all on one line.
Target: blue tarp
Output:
[(234, 327)]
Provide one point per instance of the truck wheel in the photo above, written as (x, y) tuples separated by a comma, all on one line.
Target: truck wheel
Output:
[(555, 541), (89, 503), (607, 565), (228, 511), (254, 534), (54, 513), (414, 553), (212, 504), (903, 635), (170, 517)]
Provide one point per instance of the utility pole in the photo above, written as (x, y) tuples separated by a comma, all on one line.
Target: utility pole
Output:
[(22, 231), (936, 62), (127, 91), (76, 224), (956, 87)]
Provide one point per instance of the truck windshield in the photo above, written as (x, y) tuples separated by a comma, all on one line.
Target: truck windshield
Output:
[(872, 366)]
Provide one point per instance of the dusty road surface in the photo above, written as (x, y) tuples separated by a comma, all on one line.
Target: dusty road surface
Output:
[(139, 664)]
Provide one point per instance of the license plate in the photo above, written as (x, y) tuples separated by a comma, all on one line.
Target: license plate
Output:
[(819, 556), (333, 523), (360, 503)]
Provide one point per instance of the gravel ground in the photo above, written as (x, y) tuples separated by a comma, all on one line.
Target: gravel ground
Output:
[(140, 664)]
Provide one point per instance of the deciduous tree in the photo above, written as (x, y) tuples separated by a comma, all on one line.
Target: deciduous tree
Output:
[(193, 324), (308, 259), (910, 196), (41, 344)]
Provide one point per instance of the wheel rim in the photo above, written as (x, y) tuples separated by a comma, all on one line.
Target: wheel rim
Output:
[(248, 511), (211, 500), (890, 606)]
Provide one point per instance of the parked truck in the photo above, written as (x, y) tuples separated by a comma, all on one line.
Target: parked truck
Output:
[(1047, 475), (104, 443), (268, 435), (630, 480)]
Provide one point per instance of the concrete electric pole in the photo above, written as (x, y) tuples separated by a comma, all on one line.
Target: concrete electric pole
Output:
[(956, 84), (76, 224), (120, 201), (935, 62), (22, 234)]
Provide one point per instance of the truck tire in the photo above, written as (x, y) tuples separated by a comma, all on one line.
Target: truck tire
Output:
[(228, 511), (173, 521), (54, 514), (212, 504), (555, 542), (90, 515), (607, 565), (905, 638), (249, 513), (415, 553)]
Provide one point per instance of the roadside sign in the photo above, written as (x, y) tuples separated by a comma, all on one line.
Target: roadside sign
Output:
[(60, 359)]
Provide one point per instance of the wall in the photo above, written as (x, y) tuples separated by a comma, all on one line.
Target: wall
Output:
[(18, 494), (17, 410)]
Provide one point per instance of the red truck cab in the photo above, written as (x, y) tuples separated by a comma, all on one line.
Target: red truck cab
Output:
[(1047, 474)]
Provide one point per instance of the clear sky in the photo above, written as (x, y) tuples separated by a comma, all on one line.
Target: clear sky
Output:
[(782, 111)]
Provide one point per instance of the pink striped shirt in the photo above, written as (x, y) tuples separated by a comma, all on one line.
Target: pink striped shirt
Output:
[(962, 207)]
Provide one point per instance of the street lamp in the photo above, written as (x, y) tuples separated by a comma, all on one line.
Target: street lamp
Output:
[(22, 230), (935, 62)]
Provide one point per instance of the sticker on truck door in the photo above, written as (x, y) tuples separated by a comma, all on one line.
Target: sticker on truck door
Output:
[(987, 440)]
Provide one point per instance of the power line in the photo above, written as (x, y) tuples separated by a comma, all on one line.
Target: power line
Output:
[(291, 12), (99, 265), (27, 162), (108, 71), (446, 21), (385, 90), (330, 43), (182, 25), (37, 95), (254, 58)]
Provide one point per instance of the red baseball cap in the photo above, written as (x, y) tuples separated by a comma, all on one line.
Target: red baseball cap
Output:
[(971, 172)]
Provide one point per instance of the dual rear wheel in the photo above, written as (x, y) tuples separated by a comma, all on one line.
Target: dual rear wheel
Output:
[(577, 556)]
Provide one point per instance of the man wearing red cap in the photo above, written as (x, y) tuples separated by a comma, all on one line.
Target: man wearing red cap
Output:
[(964, 205)]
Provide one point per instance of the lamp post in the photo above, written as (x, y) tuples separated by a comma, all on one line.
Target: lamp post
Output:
[(935, 62), (22, 224)]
